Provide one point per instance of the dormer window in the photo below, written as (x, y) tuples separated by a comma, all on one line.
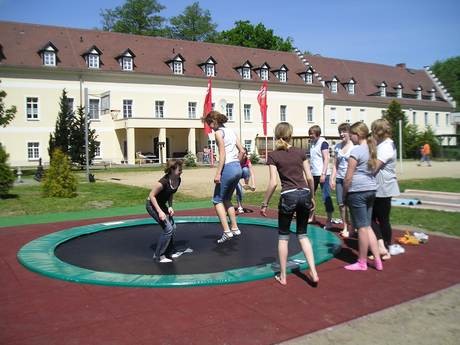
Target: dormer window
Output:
[(264, 74), (92, 57), (48, 54), (309, 77), (433, 94), (399, 91), (126, 60), (177, 67), (383, 89), (418, 93), (245, 70), (246, 73), (176, 64), (351, 87), (281, 74), (210, 71), (209, 67), (334, 84), (263, 71)]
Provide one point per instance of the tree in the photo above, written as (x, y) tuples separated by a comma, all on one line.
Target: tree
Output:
[(245, 34), (6, 115), (134, 17), (59, 180), (448, 71), (61, 137), (194, 24), (6, 174), (77, 138), (393, 115)]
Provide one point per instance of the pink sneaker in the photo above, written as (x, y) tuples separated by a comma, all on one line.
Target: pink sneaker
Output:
[(378, 264), (357, 266)]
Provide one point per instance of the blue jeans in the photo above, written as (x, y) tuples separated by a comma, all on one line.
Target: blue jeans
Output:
[(165, 244), (298, 201), (245, 174), (325, 191), (360, 205), (230, 177)]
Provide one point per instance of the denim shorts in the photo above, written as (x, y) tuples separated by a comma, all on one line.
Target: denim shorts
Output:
[(298, 201), (230, 177), (245, 173), (339, 191), (360, 205)]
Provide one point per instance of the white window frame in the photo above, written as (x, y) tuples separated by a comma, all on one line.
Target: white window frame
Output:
[(49, 58), (310, 117), (309, 78), (334, 86), (127, 63), (93, 61), (210, 70), (127, 108), (178, 67), (97, 152), (351, 88), (263, 74), (33, 151), (246, 73), (159, 109), (348, 115), (247, 112), (94, 112), (433, 95), (192, 110), (399, 93), (248, 144), (383, 91), (32, 108), (414, 117), (426, 119), (282, 75), (283, 113), (418, 94), (436, 119), (229, 111), (362, 114), (333, 115)]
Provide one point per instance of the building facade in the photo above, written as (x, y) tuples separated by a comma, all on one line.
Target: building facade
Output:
[(144, 95)]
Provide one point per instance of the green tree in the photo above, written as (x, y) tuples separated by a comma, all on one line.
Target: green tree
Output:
[(245, 34), (138, 17), (448, 71), (61, 137), (194, 24), (393, 115), (59, 180), (77, 138), (6, 115), (6, 174)]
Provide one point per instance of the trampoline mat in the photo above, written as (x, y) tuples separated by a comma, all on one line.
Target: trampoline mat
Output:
[(130, 250)]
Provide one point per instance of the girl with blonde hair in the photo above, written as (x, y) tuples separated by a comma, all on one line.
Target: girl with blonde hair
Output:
[(359, 191), (291, 165)]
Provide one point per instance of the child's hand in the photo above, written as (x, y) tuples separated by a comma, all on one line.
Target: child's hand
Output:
[(263, 210), (217, 178), (171, 211), (161, 215)]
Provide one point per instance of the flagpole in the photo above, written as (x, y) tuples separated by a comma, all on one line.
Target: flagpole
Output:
[(266, 148)]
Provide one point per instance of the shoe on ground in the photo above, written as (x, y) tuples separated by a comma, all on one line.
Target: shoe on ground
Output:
[(421, 236), (357, 266), (240, 210), (163, 259), (396, 249)]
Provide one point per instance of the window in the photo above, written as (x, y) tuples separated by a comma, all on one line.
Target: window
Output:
[(264, 74), (94, 109), (246, 73), (433, 94), (309, 78), (210, 71), (33, 150), (229, 111), (418, 93), (247, 145), (383, 90), (362, 114), (436, 119), (127, 108), (447, 120), (177, 67), (414, 117), (192, 110), (93, 61), (32, 108), (351, 88), (426, 119), (348, 115), (399, 91), (283, 113), (247, 112), (159, 109), (49, 58), (97, 152), (283, 76), (334, 86), (309, 114), (333, 115), (127, 63)]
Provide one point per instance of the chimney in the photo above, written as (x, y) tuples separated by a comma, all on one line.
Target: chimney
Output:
[(401, 65)]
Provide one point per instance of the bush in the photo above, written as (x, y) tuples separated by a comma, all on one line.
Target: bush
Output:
[(190, 160), (6, 174), (254, 157), (59, 180)]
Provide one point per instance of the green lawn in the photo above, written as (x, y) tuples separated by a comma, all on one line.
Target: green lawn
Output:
[(27, 200)]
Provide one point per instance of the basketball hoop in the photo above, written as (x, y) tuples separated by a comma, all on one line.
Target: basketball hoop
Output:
[(114, 113)]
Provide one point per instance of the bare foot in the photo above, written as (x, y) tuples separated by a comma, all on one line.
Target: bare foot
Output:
[(280, 280)]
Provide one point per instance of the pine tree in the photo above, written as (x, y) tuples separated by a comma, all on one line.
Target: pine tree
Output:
[(393, 115), (59, 180), (6, 174), (62, 131), (77, 140)]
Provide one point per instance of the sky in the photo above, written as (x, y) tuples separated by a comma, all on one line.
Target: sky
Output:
[(415, 32)]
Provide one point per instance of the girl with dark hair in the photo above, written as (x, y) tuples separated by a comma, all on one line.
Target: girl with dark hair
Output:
[(291, 165), (162, 194), (228, 173), (359, 192)]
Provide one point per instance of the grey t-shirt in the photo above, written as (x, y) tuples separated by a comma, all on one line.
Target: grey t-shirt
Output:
[(387, 184), (363, 178)]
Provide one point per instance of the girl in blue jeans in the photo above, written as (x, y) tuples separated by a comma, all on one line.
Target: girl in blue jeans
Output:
[(228, 173)]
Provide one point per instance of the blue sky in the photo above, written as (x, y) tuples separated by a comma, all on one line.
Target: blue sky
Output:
[(417, 32)]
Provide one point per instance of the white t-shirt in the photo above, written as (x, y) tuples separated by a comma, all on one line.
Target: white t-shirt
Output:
[(341, 159), (231, 151), (387, 183)]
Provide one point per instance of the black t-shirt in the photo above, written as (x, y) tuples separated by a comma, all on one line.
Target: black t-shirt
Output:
[(167, 191), (290, 167)]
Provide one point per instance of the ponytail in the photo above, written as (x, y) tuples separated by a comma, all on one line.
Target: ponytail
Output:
[(372, 145), (283, 134)]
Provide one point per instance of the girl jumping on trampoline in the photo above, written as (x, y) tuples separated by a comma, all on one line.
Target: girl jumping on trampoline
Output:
[(161, 194), (228, 173), (297, 187)]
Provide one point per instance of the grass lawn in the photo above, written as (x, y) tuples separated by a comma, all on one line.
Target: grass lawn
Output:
[(27, 200)]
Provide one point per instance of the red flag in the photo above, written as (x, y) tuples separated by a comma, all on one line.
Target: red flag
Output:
[(208, 106), (262, 99)]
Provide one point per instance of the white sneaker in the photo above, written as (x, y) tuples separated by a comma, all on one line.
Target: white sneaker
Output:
[(421, 236), (164, 259), (240, 210), (236, 232), (396, 249), (226, 236)]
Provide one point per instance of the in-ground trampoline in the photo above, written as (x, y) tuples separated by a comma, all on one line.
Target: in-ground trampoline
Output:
[(120, 253)]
